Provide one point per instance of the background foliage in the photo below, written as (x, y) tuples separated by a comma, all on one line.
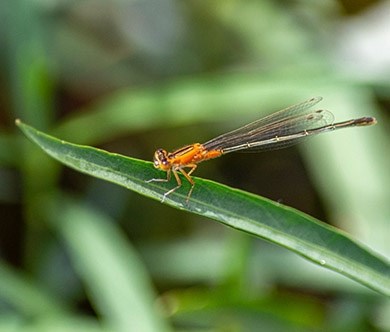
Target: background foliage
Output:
[(131, 76)]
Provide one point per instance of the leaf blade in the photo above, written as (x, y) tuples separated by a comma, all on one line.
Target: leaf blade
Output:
[(285, 226)]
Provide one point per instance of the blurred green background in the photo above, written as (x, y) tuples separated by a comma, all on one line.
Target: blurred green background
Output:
[(128, 76)]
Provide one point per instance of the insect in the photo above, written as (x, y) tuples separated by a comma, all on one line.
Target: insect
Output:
[(277, 130)]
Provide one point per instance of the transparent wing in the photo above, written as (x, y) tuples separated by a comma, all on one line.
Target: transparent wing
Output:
[(280, 129)]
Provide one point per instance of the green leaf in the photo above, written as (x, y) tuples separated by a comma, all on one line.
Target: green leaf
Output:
[(117, 282), (253, 214), (28, 298)]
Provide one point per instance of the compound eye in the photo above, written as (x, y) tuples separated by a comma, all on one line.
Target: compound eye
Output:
[(160, 159)]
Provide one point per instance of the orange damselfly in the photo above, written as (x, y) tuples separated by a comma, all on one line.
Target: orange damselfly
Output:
[(277, 130)]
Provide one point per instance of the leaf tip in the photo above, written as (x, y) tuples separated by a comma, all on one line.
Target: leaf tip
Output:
[(18, 122)]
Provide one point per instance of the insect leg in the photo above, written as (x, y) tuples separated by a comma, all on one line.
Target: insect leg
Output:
[(189, 179), (179, 183), (161, 180)]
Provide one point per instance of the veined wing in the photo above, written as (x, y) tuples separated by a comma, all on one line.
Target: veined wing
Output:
[(280, 129)]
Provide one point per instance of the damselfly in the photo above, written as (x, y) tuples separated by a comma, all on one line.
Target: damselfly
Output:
[(280, 129)]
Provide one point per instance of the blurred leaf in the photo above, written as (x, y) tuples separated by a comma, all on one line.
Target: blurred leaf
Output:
[(218, 307), (115, 278), (208, 97), (14, 323), (282, 225), (27, 298)]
